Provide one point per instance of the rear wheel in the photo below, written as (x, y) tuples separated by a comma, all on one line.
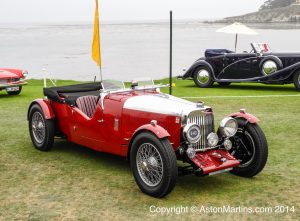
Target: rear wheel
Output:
[(41, 130), (14, 90), (203, 77), (153, 163), (251, 148), (297, 80)]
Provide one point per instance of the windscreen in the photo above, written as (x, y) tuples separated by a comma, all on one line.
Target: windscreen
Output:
[(112, 85), (144, 82)]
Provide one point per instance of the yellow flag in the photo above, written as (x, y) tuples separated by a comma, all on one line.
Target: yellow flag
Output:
[(96, 55)]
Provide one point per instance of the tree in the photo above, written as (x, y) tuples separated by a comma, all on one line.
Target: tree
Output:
[(271, 4)]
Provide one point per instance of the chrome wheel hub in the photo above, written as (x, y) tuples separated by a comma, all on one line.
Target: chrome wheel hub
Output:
[(38, 127), (203, 76), (149, 164), (269, 67)]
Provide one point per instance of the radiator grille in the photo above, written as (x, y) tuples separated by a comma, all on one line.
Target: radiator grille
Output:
[(206, 123)]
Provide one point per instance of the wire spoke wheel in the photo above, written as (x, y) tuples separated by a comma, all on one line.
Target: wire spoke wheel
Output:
[(153, 163), (41, 130), (149, 164), (38, 127)]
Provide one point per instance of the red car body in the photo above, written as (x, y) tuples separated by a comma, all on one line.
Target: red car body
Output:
[(120, 116), (12, 80)]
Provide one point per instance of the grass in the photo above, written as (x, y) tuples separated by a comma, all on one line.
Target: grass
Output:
[(74, 183)]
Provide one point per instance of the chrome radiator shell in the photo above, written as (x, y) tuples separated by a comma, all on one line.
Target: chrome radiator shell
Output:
[(206, 122)]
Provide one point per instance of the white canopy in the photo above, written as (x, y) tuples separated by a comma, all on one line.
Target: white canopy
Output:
[(237, 28)]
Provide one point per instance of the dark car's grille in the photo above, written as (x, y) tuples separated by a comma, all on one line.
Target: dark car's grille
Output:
[(206, 123)]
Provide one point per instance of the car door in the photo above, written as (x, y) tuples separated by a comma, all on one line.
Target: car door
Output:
[(240, 66), (88, 131)]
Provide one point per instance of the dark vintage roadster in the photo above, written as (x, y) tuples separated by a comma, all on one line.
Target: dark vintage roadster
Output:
[(258, 65)]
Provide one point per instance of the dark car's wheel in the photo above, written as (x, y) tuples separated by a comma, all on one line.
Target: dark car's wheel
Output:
[(153, 163), (14, 92), (41, 130), (203, 77), (297, 80), (224, 83), (270, 65), (251, 148)]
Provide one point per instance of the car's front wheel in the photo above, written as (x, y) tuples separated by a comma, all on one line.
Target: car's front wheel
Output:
[(41, 130), (297, 80), (153, 163), (203, 77), (14, 90), (251, 148)]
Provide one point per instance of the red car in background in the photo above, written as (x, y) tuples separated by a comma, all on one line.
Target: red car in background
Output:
[(12, 80)]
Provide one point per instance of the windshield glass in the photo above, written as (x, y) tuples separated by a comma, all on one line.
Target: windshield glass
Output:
[(112, 85), (143, 82)]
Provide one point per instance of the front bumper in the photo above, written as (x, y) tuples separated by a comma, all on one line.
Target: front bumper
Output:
[(212, 161), (12, 84)]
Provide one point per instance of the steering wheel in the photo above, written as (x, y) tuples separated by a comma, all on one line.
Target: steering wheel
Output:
[(253, 48)]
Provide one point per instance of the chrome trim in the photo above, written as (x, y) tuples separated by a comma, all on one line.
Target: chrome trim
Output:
[(186, 131), (269, 67), (205, 120), (223, 125), (203, 76)]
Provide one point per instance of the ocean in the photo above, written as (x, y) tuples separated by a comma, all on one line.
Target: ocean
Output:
[(129, 51)]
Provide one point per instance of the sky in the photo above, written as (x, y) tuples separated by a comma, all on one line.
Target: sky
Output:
[(14, 11)]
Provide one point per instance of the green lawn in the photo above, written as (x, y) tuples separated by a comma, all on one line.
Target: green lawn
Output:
[(72, 182)]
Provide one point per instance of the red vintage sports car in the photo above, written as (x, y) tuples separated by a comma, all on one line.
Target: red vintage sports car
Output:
[(152, 129), (12, 80)]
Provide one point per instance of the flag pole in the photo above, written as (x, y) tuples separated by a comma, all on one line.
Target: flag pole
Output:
[(171, 51), (100, 62)]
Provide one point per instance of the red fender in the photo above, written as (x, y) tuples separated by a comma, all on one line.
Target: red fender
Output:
[(46, 107), (249, 117), (159, 131)]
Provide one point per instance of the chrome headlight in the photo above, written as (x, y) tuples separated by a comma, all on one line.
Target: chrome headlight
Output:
[(212, 139), (228, 127), (192, 133), (25, 73)]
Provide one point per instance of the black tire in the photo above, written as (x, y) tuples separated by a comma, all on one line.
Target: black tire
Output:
[(224, 83), (297, 81), (45, 143), (168, 160), (207, 80), (15, 92), (254, 139)]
